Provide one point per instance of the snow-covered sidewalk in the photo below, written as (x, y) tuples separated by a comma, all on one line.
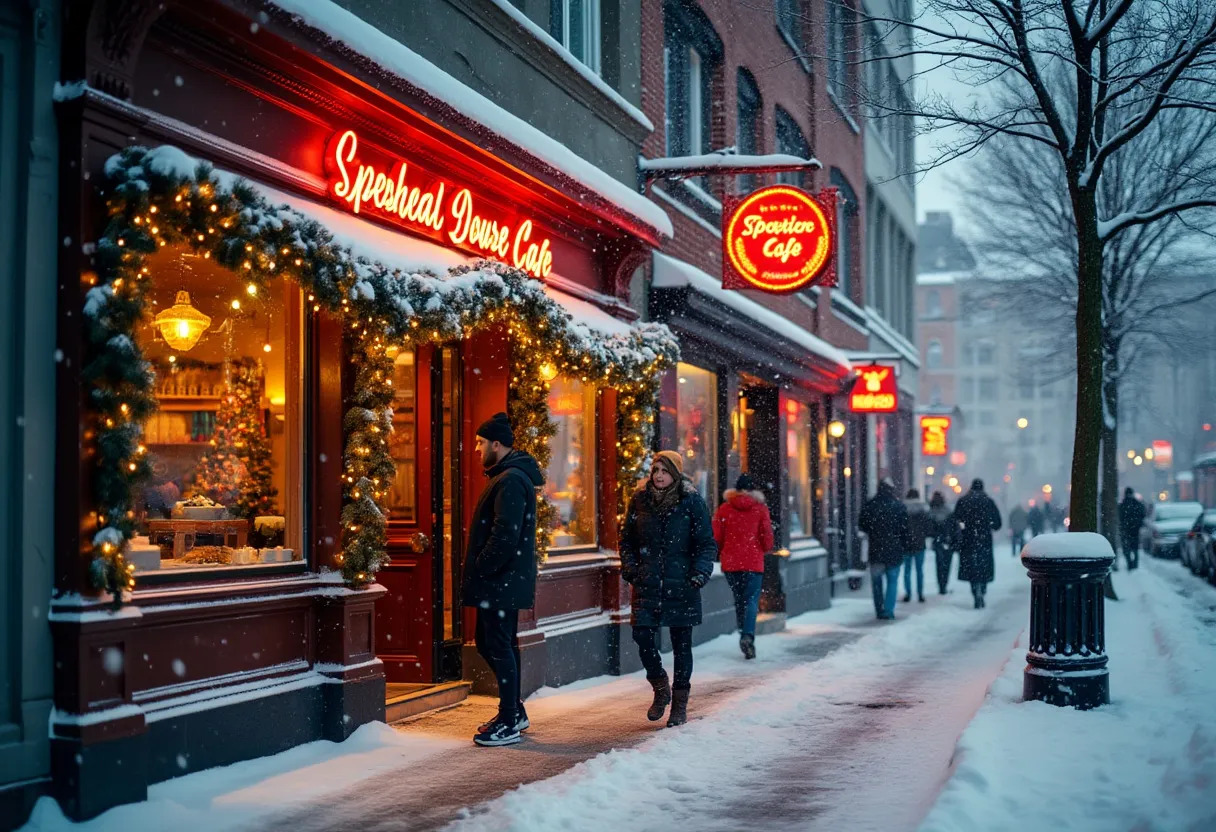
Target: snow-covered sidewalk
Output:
[(842, 722), (1145, 762)]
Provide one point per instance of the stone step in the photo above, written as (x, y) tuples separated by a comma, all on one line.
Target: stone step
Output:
[(420, 699)]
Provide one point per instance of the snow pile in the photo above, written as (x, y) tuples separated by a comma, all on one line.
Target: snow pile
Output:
[(1068, 546), (244, 795), (1146, 761)]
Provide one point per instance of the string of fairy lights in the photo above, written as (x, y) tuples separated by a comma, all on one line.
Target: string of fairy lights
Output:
[(161, 197)]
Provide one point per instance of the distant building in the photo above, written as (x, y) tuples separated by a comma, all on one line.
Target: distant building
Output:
[(978, 358)]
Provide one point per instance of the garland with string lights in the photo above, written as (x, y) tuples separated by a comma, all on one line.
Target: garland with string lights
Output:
[(163, 197)]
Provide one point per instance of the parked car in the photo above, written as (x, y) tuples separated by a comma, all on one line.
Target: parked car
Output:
[(1168, 525), (1198, 548)]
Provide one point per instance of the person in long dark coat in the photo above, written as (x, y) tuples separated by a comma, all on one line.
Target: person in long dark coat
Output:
[(1131, 517), (500, 569), (943, 539), (884, 519), (667, 554), (976, 517)]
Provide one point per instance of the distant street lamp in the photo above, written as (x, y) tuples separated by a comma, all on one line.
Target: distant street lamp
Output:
[(929, 471), (835, 428), (1022, 423), (1131, 454), (1047, 489), (952, 482), (1148, 453), (1137, 460)]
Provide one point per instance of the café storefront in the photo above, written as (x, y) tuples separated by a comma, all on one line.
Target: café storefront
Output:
[(279, 331)]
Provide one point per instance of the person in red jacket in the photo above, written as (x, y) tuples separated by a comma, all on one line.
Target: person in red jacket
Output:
[(744, 532)]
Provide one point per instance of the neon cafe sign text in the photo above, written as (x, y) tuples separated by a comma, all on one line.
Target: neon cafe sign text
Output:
[(433, 210)]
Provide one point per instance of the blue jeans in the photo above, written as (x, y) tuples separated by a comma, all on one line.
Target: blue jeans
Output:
[(745, 586), (919, 559), (884, 597)]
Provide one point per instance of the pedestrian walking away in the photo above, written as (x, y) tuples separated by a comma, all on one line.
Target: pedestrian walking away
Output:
[(1035, 520), (920, 528), (1131, 517), (943, 539), (500, 570), (743, 530), (976, 517), (1017, 528), (667, 554), (884, 520)]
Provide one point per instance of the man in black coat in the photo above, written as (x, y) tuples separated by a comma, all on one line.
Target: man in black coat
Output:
[(976, 517), (884, 519), (500, 569), (1131, 518)]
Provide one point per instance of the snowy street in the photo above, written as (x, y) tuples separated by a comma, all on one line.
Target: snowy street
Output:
[(790, 741)]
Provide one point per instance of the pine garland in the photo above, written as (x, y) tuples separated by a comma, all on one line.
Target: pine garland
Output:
[(163, 197)]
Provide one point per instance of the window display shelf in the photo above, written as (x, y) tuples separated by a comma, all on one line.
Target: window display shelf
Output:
[(189, 403)]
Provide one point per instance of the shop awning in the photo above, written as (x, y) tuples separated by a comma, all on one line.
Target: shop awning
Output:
[(670, 273), (400, 251)]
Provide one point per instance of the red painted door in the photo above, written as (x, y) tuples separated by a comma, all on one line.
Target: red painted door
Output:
[(418, 628)]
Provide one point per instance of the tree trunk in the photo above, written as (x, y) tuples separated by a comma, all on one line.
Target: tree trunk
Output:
[(1083, 502), (1110, 449)]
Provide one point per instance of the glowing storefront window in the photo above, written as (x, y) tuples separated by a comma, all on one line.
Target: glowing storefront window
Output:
[(800, 456), (570, 479), (697, 427)]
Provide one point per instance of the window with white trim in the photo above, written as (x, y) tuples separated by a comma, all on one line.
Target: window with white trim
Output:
[(576, 25)]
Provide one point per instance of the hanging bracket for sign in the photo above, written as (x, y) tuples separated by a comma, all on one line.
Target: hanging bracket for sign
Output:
[(724, 162), (779, 239)]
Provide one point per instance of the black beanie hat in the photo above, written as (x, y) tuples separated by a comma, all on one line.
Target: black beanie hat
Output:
[(745, 483), (497, 428)]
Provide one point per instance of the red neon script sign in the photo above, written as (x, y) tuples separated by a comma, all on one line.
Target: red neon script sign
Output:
[(934, 431), (432, 209), (875, 390), (779, 239)]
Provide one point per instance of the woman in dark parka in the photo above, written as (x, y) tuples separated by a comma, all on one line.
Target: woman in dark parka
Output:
[(667, 555)]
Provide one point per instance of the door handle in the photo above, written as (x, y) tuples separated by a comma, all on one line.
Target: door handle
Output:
[(419, 542)]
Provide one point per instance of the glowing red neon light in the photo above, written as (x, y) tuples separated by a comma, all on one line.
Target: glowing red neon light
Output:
[(875, 390), (431, 209), (934, 432), (779, 239)]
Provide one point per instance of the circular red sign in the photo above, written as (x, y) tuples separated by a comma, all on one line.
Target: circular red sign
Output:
[(778, 239)]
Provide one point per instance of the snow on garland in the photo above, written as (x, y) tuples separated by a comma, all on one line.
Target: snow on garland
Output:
[(163, 197)]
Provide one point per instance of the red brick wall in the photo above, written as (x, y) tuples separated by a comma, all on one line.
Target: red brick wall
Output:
[(750, 39)]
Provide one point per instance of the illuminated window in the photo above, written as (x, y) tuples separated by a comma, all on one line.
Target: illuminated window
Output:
[(570, 479), (403, 444), (576, 24), (225, 445), (697, 427), (800, 447)]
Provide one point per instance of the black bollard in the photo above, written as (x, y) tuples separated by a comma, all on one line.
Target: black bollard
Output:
[(1066, 662)]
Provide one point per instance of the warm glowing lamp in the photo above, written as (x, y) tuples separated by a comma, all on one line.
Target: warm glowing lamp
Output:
[(181, 325), (835, 428), (547, 371), (1023, 422)]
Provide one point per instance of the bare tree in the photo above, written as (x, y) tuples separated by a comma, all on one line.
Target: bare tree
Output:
[(1156, 280), (1082, 79)]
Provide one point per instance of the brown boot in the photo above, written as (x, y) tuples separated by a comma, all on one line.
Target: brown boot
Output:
[(679, 708), (662, 696)]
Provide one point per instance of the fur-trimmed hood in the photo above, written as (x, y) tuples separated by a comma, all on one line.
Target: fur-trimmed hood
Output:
[(742, 499)]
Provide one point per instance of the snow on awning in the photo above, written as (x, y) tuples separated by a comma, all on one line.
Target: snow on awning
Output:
[(363, 39), (672, 273), (394, 249)]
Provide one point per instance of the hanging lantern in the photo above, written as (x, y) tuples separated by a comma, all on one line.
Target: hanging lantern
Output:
[(181, 325)]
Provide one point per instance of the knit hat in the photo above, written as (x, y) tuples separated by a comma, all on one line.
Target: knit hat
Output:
[(497, 429), (673, 461), (745, 483), (977, 484)]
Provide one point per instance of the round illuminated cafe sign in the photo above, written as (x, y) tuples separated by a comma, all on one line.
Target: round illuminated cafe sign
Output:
[(777, 239)]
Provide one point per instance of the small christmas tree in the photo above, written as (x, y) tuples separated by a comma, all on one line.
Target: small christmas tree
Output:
[(236, 471)]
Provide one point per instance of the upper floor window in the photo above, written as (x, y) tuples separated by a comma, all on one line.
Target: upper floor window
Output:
[(839, 40), (933, 304), (747, 126), (986, 354), (847, 234), (790, 140), (789, 21), (933, 355), (576, 24), (691, 54)]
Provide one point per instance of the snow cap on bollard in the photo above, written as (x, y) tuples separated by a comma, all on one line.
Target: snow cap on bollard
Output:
[(1068, 546)]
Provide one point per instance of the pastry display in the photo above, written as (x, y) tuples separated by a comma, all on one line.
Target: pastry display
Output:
[(245, 555), (207, 555)]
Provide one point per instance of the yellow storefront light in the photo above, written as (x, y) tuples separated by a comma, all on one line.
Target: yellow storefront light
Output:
[(836, 428), (181, 325)]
